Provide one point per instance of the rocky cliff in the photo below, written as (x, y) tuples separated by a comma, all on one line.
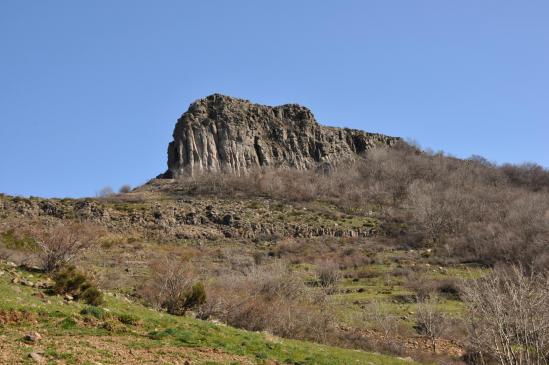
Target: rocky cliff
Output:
[(221, 133)]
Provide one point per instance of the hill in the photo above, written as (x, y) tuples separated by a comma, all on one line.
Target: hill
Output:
[(121, 331), (326, 244)]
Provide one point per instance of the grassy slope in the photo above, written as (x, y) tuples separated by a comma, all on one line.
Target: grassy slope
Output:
[(385, 287), (153, 337)]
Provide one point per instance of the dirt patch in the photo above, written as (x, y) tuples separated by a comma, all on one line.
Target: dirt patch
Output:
[(443, 346)]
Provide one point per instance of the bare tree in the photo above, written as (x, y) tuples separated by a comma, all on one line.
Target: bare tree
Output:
[(430, 321), (509, 316), (60, 244)]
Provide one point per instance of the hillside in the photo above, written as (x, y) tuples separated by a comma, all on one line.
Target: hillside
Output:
[(339, 245), (124, 332)]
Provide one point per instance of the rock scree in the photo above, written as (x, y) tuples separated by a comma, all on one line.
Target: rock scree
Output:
[(225, 134)]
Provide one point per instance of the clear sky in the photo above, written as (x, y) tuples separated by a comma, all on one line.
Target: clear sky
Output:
[(90, 90)]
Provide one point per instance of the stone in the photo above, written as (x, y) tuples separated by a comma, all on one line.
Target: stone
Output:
[(32, 336), (44, 284), (224, 134), (39, 359), (407, 359), (227, 219), (26, 282)]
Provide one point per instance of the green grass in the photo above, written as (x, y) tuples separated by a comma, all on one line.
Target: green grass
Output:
[(384, 286), (146, 328)]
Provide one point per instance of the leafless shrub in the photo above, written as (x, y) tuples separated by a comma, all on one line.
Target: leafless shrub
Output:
[(384, 322), (328, 275), (449, 288), (509, 316), (423, 287), (173, 286), (60, 244), (529, 175), (249, 301), (105, 192), (124, 189), (430, 321), (468, 210)]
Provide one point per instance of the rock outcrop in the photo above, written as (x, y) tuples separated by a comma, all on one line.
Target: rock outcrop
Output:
[(221, 133), (147, 213)]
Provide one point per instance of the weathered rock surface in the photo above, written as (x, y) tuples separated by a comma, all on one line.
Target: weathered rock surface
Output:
[(160, 219), (221, 133)]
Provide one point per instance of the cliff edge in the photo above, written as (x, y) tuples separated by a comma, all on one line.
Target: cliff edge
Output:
[(222, 133)]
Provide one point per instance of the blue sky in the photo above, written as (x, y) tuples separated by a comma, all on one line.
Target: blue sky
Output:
[(90, 90)]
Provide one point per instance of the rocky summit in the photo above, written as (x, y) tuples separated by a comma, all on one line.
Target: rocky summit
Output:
[(222, 133)]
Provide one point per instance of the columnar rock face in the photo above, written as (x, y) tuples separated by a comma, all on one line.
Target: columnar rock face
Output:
[(221, 133)]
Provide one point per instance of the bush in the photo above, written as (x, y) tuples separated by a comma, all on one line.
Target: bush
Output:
[(94, 311), (59, 245), (270, 298), (470, 210), (128, 319), (196, 296), (70, 281), (423, 287), (509, 317), (105, 192), (91, 296), (328, 275), (172, 286), (386, 324), (430, 321), (186, 300), (449, 288), (124, 189)]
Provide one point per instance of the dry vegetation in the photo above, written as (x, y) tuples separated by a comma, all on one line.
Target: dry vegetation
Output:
[(437, 219), (509, 317), (51, 246), (270, 298), (467, 210), (61, 244), (172, 286)]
